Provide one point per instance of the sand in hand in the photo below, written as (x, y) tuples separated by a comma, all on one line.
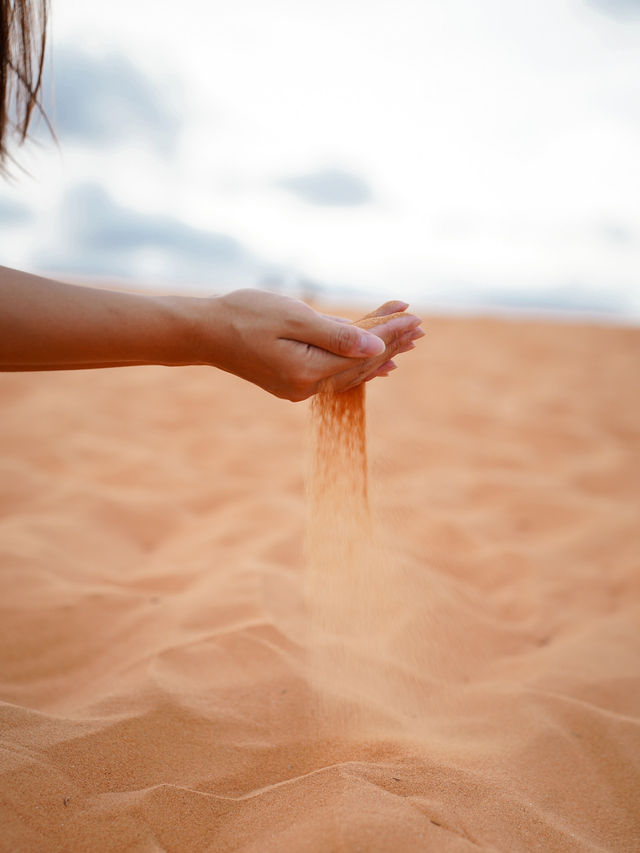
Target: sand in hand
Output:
[(471, 678)]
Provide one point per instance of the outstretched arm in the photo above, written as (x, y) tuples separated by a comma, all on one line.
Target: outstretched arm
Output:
[(276, 342), (48, 325)]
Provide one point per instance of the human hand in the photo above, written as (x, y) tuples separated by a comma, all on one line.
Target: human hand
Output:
[(292, 351)]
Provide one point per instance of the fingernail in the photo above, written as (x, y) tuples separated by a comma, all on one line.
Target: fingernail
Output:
[(419, 333), (371, 345)]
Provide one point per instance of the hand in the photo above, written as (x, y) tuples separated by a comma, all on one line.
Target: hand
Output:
[(290, 350)]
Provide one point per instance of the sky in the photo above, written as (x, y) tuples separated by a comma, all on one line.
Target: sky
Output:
[(469, 154)]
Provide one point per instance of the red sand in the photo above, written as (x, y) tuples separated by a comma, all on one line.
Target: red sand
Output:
[(156, 659)]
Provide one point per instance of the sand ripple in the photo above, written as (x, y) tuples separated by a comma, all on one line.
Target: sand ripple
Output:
[(154, 645)]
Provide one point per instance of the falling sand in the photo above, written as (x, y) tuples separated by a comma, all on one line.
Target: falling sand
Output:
[(356, 590)]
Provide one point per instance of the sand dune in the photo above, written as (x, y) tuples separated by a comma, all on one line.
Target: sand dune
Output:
[(157, 681)]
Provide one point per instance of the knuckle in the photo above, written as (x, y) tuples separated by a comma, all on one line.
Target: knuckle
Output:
[(399, 339), (395, 336), (342, 339)]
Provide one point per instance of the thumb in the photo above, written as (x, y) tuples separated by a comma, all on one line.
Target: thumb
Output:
[(343, 339)]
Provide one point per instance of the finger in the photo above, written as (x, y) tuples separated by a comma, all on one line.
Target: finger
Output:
[(386, 367), (351, 340), (407, 341), (343, 339), (333, 372), (399, 345), (384, 370), (398, 342), (396, 335), (370, 323), (394, 329), (392, 307)]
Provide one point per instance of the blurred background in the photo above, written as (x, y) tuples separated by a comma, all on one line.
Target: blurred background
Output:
[(462, 155)]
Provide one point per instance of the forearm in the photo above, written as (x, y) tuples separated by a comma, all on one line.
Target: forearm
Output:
[(48, 325)]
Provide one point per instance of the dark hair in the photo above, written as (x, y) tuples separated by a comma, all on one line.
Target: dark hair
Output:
[(23, 37)]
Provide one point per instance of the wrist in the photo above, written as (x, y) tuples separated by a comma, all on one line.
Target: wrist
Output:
[(215, 331), (186, 322)]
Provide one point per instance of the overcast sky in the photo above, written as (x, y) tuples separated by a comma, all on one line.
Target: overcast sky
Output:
[(466, 152)]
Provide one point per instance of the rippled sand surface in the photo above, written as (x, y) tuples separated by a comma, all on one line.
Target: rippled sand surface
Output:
[(166, 684)]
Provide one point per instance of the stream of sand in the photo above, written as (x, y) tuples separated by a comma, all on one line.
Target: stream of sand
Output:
[(354, 590)]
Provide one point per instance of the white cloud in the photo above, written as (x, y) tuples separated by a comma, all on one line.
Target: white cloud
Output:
[(624, 9), (101, 237), (105, 100), (329, 187), (14, 214)]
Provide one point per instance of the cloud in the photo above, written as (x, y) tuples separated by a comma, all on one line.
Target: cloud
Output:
[(101, 237), (616, 234), (14, 213), (97, 223), (329, 187), (101, 101), (618, 8)]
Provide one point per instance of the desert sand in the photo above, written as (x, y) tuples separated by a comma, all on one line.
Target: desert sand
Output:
[(176, 675)]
